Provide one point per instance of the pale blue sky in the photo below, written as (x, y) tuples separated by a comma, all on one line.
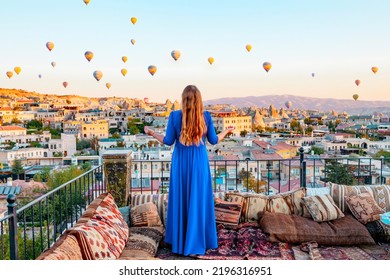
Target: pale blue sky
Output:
[(337, 40)]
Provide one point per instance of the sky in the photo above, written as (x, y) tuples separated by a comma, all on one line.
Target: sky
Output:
[(337, 40)]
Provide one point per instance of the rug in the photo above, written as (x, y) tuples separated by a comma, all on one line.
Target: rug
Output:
[(167, 254), (247, 242), (316, 252)]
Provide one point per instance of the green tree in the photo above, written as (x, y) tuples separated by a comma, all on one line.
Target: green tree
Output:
[(113, 130), (309, 129), (250, 183), (17, 167), (336, 172), (35, 144), (116, 135), (82, 144), (34, 124), (43, 175), (243, 133), (317, 150)]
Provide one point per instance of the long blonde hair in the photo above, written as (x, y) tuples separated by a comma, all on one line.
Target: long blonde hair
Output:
[(193, 126)]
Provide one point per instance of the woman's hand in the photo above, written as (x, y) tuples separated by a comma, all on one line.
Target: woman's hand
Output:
[(148, 131)]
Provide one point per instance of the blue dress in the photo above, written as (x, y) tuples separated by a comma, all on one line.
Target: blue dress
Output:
[(190, 225)]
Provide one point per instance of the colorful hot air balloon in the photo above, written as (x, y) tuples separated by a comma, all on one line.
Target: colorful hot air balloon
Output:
[(313, 74), (108, 85), (50, 45), (9, 74), (357, 82), (86, 2), (65, 84), (124, 59), (267, 66), (288, 104), (17, 70), (355, 96), (175, 54), (133, 20), (248, 47), (152, 69), (211, 60), (53, 64), (374, 69), (98, 75), (124, 72), (88, 55), (132, 41)]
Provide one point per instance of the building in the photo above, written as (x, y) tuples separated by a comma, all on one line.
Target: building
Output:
[(98, 129), (223, 120), (12, 130)]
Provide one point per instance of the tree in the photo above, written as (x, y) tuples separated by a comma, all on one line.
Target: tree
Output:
[(43, 175), (17, 167), (116, 135), (243, 133), (34, 124), (250, 183), (336, 172), (317, 150)]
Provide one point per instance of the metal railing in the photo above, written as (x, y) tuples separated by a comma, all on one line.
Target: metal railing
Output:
[(26, 232)]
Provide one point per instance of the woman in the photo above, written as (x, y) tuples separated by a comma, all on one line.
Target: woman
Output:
[(190, 226)]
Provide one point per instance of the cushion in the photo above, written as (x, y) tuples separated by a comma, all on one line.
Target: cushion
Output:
[(66, 248), (157, 199), (145, 215), (345, 231), (227, 213), (339, 192), (381, 196), (125, 212), (364, 207), (277, 204), (294, 200), (379, 231), (322, 208), (317, 191), (252, 204), (142, 243), (235, 197)]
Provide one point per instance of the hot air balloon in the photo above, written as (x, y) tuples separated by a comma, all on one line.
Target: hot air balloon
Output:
[(175, 54), (211, 60), (133, 20), (53, 64), (355, 96), (98, 75), (146, 100), (39, 76), (50, 45), (124, 59), (152, 69), (248, 47), (86, 2), (108, 85), (124, 72), (132, 41), (357, 82), (88, 55), (17, 70), (267, 66), (65, 84), (9, 74), (288, 104), (312, 74), (374, 69)]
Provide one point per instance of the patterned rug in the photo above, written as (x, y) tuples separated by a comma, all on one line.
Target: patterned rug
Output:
[(166, 254), (247, 242)]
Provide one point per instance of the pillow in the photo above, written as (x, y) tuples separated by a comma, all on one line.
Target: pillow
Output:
[(294, 200), (227, 213), (253, 203), (322, 208), (125, 212), (339, 192), (145, 215), (379, 231), (317, 191), (346, 231), (66, 248), (364, 207), (142, 243), (277, 204)]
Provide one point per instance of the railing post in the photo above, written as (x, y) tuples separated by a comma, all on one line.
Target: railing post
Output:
[(268, 175), (117, 174), (302, 169), (13, 226)]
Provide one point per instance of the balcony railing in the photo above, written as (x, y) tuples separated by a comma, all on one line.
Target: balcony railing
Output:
[(29, 230)]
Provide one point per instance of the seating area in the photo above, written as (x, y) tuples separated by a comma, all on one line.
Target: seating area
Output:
[(334, 222)]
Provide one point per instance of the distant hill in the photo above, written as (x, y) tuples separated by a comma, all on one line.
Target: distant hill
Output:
[(308, 103)]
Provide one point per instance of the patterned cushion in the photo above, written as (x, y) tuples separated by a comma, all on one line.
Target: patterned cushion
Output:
[(253, 204), (345, 231), (294, 200), (66, 248), (227, 213), (145, 215), (142, 243), (381, 194), (317, 191), (322, 208), (235, 197), (277, 204), (364, 207), (157, 199), (379, 231)]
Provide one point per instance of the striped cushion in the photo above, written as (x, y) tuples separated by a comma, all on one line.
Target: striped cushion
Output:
[(157, 199), (294, 200), (322, 208), (145, 215), (252, 205), (227, 213)]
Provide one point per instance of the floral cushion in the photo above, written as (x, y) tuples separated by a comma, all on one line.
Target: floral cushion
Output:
[(364, 207), (227, 213), (145, 215), (235, 197), (322, 208)]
